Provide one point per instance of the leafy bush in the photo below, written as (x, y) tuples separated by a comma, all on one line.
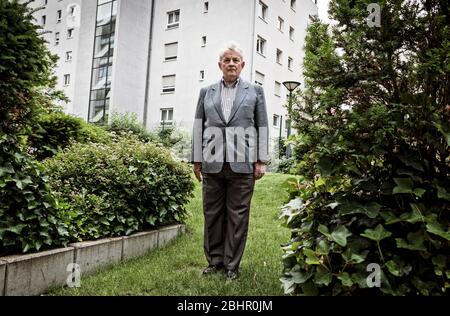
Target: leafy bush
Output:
[(373, 148), (286, 165), (127, 123), (119, 188), (29, 218), (56, 130)]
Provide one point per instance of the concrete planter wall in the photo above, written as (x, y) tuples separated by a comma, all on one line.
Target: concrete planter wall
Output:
[(33, 274), (138, 244), (2, 277), (91, 255)]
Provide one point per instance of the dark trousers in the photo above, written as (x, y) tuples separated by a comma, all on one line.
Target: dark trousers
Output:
[(226, 207)]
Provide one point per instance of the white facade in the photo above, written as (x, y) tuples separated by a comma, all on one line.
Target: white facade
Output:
[(174, 43)]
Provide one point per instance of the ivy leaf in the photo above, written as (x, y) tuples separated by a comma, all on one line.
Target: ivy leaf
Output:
[(340, 235), (6, 169), (442, 193), (404, 185), (377, 234), (389, 217), (324, 230), (292, 210), (397, 269), (323, 247), (311, 257), (38, 244), (419, 192), (370, 209), (346, 279), (323, 276), (436, 228), (300, 276), (415, 242), (16, 229)]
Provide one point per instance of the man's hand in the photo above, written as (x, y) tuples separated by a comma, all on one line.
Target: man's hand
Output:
[(197, 167), (259, 170)]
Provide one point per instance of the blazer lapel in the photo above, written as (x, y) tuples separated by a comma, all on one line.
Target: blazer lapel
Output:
[(217, 100), (241, 92)]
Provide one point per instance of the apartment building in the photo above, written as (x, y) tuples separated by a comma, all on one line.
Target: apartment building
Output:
[(151, 57)]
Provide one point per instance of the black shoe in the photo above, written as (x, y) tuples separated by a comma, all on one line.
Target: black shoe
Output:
[(231, 274), (212, 269)]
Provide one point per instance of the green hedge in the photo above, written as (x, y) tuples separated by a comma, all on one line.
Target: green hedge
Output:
[(119, 188), (56, 130)]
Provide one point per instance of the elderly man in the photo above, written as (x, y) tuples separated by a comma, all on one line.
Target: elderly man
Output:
[(229, 152)]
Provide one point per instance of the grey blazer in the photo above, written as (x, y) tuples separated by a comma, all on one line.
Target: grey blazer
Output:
[(242, 140)]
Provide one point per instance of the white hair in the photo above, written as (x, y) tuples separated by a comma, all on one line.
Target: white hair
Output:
[(231, 45)]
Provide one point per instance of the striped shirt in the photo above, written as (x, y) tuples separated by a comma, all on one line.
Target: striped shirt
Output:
[(228, 93)]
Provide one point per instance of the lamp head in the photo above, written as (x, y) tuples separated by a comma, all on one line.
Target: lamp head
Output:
[(291, 85)]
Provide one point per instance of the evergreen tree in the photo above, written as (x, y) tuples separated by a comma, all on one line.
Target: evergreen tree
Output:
[(373, 150), (28, 210)]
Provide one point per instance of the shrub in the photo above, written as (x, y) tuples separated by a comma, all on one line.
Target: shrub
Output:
[(373, 147), (119, 188), (56, 130), (29, 216), (127, 123), (28, 211)]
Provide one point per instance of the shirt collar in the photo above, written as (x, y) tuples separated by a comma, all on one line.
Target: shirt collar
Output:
[(233, 85)]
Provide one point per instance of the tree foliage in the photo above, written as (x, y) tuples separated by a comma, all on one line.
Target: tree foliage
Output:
[(28, 210), (373, 151)]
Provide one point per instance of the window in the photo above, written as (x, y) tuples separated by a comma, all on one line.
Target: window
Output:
[(102, 63), (173, 19), (276, 120), (279, 56), (69, 56), (293, 3), (72, 10), (202, 75), (168, 84), (277, 88), (203, 41), (261, 45), (262, 10), (70, 33), (166, 116), (44, 2), (171, 51), (280, 24), (291, 33), (66, 79), (290, 62), (259, 78), (205, 7), (43, 20), (58, 16), (57, 38)]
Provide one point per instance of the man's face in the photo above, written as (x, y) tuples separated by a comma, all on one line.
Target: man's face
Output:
[(231, 65)]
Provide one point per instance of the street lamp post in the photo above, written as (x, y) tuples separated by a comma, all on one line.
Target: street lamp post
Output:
[(291, 86)]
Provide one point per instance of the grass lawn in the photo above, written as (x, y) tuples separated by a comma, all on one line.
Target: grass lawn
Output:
[(176, 268)]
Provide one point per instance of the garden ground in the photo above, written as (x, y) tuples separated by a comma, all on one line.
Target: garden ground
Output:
[(176, 269)]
